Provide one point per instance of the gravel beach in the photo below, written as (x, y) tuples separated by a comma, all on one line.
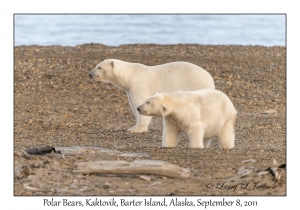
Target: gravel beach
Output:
[(56, 104)]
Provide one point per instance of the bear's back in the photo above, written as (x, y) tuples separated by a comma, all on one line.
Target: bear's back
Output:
[(215, 108), (181, 76), (211, 97)]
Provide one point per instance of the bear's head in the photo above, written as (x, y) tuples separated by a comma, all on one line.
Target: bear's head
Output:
[(103, 71), (154, 106)]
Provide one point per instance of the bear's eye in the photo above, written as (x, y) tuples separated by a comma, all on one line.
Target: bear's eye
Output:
[(148, 102), (99, 67)]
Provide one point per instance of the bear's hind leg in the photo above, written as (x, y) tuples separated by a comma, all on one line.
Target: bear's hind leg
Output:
[(226, 136), (170, 133), (196, 135)]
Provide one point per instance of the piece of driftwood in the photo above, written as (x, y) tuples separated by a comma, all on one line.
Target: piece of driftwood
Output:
[(150, 167), (40, 150), (76, 150)]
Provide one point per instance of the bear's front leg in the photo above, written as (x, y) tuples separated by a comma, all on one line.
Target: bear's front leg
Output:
[(170, 133), (131, 105), (141, 125), (196, 135), (142, 121)]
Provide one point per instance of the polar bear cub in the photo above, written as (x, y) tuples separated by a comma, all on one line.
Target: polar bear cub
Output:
[(201, 115), (141, 81)]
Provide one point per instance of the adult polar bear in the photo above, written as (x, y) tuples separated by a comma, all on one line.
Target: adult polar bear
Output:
[(201, 114), (141, 81)]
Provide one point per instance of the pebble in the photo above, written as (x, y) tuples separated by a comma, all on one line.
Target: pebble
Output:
[(147, 178), (249, 160), (269, 112), (244, 171)]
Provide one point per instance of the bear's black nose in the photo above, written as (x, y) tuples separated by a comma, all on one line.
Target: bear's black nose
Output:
[(138, 109), (91, 76)]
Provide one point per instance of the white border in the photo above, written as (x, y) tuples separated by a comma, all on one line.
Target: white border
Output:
[(8, 201)]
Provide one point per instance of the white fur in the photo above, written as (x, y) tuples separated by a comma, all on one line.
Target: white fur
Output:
[(140, 81), (201, 115)]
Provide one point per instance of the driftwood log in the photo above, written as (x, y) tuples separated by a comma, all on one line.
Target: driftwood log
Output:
[(150, 167), (75, 150), (40, 150)]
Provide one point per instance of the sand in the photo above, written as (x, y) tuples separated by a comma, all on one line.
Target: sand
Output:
[(57, 104)]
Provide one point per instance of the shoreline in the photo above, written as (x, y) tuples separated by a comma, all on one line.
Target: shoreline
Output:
[(130, 44)]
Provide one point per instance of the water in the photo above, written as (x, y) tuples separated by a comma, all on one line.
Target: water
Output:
[(115, 30)]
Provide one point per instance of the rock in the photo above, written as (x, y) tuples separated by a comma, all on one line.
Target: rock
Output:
[(30, 188), (268, 112), (243, 171), (263, 173), (249, 160), (147, 178), (278, 174), (22, 172), (153, 184), (282, 166), (40, 150), (106, 185)]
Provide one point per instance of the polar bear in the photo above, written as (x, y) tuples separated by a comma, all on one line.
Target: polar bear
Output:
[(201, 115), (141, 81)]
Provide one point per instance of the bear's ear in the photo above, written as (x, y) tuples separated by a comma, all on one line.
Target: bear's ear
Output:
[(164, 110), (112, 64)]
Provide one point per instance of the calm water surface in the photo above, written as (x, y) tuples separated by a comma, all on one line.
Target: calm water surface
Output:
[(114, 30)]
